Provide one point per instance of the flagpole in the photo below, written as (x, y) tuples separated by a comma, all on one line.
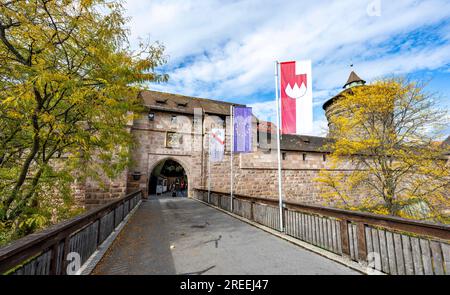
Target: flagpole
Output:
[(209, 168), (280, 197), (231, 157)]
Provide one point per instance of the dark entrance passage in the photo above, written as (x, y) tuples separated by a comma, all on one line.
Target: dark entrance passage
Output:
[(168, 179)]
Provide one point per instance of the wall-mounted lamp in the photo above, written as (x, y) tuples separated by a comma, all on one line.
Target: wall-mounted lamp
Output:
[(151, 116), (136, 175)]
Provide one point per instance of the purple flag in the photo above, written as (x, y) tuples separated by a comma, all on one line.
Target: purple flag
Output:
[(242, 130)]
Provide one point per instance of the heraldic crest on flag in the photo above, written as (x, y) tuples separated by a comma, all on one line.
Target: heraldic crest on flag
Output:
[(217, 144), (296, 97)]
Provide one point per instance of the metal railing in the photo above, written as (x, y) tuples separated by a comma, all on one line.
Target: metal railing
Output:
[(49, 251), (388, 244)]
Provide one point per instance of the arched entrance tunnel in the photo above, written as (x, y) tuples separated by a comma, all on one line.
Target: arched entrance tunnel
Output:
[(168, 179)]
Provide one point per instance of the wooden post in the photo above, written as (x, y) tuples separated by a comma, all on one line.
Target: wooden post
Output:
[(123, 210), (65, 253), (99, 230), (284, 217), (344, 237), (54, 262), (114, 218), (362, 246)]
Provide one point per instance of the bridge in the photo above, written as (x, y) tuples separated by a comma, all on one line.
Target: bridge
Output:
[(214, 234), (182, 236)]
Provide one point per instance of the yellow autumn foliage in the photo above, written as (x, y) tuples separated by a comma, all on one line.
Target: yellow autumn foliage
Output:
[(386, 133), (68, 81)]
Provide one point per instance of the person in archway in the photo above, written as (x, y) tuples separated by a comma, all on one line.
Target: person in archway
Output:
[(172, 189), (177, 188), (183, 188)]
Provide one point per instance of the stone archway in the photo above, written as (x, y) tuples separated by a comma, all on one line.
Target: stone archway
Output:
[(168, 177)]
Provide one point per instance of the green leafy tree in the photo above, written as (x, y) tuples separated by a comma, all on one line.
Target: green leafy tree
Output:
[(68, 87)]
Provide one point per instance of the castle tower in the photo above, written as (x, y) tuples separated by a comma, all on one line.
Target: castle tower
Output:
[(330, 107)]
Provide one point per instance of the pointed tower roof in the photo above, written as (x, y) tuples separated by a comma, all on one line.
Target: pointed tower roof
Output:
[(353, 79)]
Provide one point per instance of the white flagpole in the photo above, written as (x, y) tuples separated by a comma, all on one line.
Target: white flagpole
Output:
[(231, 157), (209, 168), (280, 197)]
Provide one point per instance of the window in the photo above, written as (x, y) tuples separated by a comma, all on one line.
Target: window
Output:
[(324, 157), (257, 133), (283, 155), (182, 105), (304, 157), (174, 119), (161, 101)]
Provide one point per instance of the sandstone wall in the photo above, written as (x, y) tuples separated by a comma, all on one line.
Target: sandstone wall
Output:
[(151, 148), (255, 173)]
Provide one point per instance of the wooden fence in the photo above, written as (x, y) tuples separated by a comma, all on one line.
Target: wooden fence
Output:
[(388, 244), (46, 252)]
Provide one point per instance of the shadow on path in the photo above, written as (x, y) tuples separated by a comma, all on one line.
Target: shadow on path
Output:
[(183, 236), (143, 246)]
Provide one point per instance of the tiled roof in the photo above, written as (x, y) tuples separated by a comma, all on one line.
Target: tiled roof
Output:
[(301, 143), (353, 78), (330, 101), (269, 127), (162, 101), (305, 143)]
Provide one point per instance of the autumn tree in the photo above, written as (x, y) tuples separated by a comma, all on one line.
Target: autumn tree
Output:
[(68, 84), (385, 151)]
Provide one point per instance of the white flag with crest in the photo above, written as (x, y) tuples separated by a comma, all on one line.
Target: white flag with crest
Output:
[(216, 144)]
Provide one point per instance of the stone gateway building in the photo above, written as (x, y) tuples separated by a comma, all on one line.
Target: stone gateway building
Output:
[(171, 154)]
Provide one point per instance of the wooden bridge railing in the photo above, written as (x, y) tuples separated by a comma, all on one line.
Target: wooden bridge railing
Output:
[(48, 251), (388, 244)]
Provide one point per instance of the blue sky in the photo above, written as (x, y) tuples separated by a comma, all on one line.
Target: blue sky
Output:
[(226, 50)]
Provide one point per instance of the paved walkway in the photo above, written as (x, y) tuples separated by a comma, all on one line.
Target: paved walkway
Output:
[(183, 236)]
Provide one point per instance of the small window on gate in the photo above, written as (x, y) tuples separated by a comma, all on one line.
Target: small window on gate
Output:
[(173, 119)]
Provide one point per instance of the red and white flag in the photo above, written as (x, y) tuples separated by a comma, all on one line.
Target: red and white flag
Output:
[(296, 97), (216, 144)]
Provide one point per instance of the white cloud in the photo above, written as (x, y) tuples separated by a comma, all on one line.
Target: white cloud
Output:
[(226, 50), (320, 127), (266, 111)]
